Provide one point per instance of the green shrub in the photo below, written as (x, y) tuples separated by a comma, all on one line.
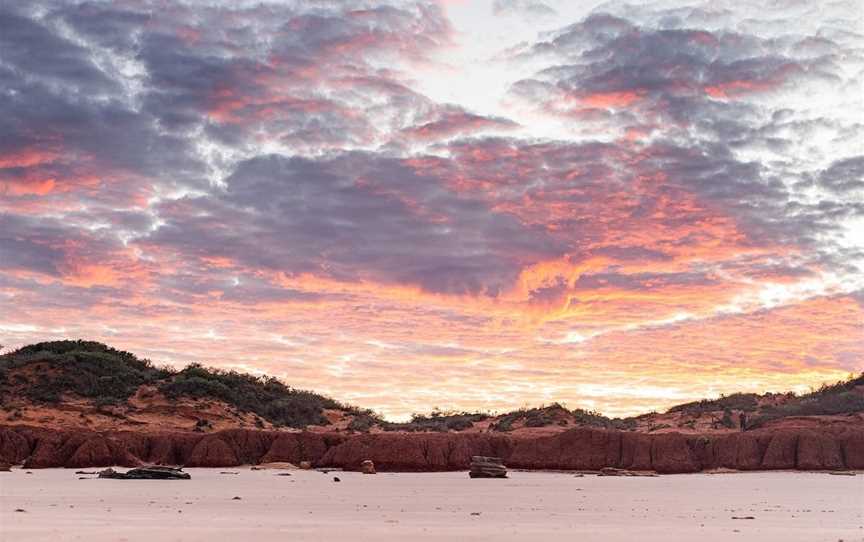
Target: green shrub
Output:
[(591, 417), (658, 427), (534, 417), (726, 420), (437, 421), (363, 422), (818, 404), (747, 402), (109, 377), (623, 424)]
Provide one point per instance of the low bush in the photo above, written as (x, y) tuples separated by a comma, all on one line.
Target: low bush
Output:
[(363, 422), (109, 377), (437, 421), (747, 402)]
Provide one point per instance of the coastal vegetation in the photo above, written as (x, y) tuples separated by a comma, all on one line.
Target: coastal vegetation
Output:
[(48, 372)]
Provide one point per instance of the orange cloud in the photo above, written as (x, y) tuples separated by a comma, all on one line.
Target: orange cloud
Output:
[(27, 188), (28, 157)]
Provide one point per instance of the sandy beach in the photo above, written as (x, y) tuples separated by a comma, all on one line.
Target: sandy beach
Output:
[(309, 505)]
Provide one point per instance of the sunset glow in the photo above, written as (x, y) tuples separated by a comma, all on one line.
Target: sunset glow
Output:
[(467, 205)]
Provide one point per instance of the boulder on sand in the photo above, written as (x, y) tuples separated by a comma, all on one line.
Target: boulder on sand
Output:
[(146, 473), (487, 467), (305, 465), (367, 466)]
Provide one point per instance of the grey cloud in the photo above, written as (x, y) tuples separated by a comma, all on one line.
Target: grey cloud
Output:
[(356, 216), (550, 293), (32, 48), (519, 7), (633, 253), (34, 245), (844, 175), (689, 74), (115, 27), (643, 281)]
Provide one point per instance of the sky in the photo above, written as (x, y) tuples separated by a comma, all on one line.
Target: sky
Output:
[(457, 204)]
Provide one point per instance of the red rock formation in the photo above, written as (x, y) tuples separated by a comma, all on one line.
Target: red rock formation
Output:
[(247, 446), (582, 449), (670, 453), (212, 451), (46, 452), (853, 450), (815, 451), (636, 451), (15, 447), (781, 451), (298, 447), (170, 448), (738, 451), (414, 451), (97, 451)]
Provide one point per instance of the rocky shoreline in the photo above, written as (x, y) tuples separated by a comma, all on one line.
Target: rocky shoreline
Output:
[(827, 448)]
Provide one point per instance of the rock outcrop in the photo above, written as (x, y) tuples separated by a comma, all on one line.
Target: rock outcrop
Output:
[(829, 448), (146, 473), (487, 467)]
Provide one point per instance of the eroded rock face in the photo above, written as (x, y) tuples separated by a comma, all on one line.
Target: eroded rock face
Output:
[(781, 451), (853, 450), (297, 448), (577, 449), (97, 451), (817, 452), (47, 451), (414, 451), (169, 448), (213, 451), (15, 447)]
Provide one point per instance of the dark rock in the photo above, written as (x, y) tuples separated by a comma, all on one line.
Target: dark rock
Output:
[(487, 467), (146, 473)]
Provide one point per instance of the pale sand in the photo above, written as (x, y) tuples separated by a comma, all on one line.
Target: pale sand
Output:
[(534, 506)]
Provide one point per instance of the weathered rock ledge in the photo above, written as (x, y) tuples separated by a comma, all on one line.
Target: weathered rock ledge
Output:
[(578, 449)]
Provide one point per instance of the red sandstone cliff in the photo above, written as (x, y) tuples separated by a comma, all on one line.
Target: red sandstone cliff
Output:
[(589, 449)]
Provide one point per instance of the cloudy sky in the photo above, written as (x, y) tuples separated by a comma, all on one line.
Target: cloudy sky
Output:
[(463, 204)]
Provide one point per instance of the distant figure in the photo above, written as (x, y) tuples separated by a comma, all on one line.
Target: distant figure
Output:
[(742, 421)]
